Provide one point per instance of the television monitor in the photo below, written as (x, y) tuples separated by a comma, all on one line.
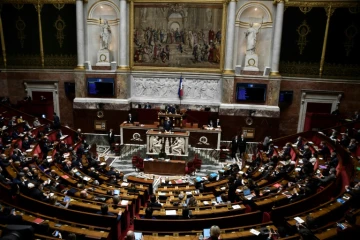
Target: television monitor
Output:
[(286, 97), (101, 87), (251, 92)]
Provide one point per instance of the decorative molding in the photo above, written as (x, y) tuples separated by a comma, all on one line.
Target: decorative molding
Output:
[(198, 91), (338, 4), (21, 2), (20, 26), (243, 110), (109, 103), (60, 25), (303, 30)]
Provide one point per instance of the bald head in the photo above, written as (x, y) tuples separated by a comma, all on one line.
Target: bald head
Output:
[(130, 235)]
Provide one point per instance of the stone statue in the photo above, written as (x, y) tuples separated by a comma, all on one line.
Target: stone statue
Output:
[(251, 35), (178, 146), (105, 35), (156, 145)]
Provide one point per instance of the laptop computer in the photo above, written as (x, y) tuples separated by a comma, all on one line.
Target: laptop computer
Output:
[(206, 233), (247, 194), (218, 199), (138, 235)]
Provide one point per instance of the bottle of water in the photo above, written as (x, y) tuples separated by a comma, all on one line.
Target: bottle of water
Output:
[(201, 237)]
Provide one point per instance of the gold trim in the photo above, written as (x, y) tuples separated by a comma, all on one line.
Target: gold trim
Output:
[(38, 8), (80, 68), (20, 26), (60, 26), (123, 68), (2, 42), (329, 13), (303, 30), (229, 72), (177, 69), (339, 4), (275, 74)]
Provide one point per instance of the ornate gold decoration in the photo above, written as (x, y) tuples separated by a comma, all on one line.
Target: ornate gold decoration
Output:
[(39, 1), (60, 26), (354, 10), (311, 69), (338, 4), (20, 26), (305, 9), (329, 12), (2, 41), (38, 8), (24, 61), (18, 6), (60, 61), (303, 30), (350, 33), (59, 6)]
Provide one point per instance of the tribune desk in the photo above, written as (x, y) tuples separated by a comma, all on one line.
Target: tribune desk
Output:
[(199, 138), (175, 143), (172, 167)]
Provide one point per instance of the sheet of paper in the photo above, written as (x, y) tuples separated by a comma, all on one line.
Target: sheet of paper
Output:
[(170, 212), (299, 220), (255, 232), (236, 206), (124, 202), (124, 184)]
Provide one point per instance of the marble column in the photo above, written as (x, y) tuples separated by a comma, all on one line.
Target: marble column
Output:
[(123, 63), (80, 84), (273, 92), (80, 34), (230, 34), (122, 86), (227, 90), (277, 38)]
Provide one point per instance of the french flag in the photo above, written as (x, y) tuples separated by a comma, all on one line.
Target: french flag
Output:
[(181, 90)]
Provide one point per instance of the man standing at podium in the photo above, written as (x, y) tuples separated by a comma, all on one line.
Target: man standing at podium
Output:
[(130, 118), (147, 106), (242, 145), (167, 125)]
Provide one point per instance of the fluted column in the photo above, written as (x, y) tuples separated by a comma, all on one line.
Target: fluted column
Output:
[(123, 63), (230, 37), (80, 34), (277, 38)]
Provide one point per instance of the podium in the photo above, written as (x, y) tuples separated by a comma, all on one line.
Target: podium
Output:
[(176, 119), (175, 144)]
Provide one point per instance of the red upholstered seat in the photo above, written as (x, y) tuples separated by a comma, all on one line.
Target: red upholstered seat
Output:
[(140, 164), (247, 208), (190, 168), (266, 217)]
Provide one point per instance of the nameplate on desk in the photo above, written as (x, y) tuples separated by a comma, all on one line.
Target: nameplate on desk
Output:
[(170, 212)]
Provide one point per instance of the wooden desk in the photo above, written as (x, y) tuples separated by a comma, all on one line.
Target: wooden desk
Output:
[(172, 167)]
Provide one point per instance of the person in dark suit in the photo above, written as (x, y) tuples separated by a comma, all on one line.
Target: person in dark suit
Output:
[(242, 145), (130, 118), (153, 203), (352, 146), (307, 152), (345, 141), (168, 125), (147, 106), (356, 116), (15, 134), (299, 143), (171, 109), (77, 135), (234, 146), (217, 123), (26, 144), (56, 122), (111, 137), (211, 123), (324, 151), (59, 134)]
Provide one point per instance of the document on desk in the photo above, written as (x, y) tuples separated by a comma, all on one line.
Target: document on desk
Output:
[(170, 212), (299, 220), (236, 206), (124, 184), (205, 202), (124, 202), (255, 232)]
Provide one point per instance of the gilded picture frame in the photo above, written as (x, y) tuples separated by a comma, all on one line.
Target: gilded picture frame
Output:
[(160, 35)]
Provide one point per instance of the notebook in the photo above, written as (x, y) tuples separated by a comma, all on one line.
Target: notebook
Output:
[(206, 233), (38, 220), (138, 235)]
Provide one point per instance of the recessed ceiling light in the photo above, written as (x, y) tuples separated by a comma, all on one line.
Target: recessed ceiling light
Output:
[(255, 9)]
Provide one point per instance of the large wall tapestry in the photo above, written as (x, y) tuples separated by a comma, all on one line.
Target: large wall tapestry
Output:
[(177, 35)]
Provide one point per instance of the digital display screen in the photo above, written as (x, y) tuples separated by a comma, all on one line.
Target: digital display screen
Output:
[(101, 86), (247, 92)]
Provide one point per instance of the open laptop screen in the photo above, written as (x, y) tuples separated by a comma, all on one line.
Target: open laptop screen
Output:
[(247, 192), (206, 233)]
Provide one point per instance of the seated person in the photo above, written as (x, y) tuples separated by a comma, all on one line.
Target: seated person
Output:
[(170, 109), (307, 152), (333, 162), (345, 141), (148, 213), (105, 211), (36, 122), (214, 233), (324, 151), (325, 179), (271, 151), (153, 203), (167, 125), (147, 106), (352, 146), (299, 143)]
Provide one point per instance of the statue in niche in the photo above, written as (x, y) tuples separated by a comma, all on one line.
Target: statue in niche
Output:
[(105, 35), (209, 14), (251, 35)]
